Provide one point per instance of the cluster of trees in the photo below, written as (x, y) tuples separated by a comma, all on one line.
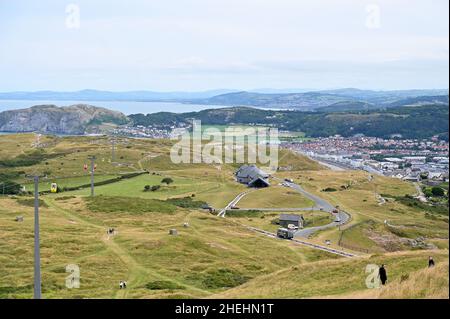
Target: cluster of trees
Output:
[(435, 191), (154, 188)]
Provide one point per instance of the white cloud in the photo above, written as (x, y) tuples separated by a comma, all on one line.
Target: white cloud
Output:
[(221, 43)]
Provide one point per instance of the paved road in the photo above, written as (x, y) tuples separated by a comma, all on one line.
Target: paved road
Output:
[(319, 204), (341, 218)]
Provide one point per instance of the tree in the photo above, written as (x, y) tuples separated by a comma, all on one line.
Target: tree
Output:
[(167, 180), (438, 191), (427, 192), (154, 188), (146, 188)]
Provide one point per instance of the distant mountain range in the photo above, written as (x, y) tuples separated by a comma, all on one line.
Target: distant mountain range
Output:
[(325, 100), (333, 100)]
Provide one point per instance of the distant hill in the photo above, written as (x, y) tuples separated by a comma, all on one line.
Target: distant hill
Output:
[(75, 119), (347, 106), (331, 100), (421, 100), (410, 122), (295, 99), (308, 101), (384, 97)]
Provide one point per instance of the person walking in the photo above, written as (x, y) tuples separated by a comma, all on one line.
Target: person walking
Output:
[(430, 262), (382, 274)]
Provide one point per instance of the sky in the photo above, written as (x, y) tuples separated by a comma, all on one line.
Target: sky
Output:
[(196, 45)]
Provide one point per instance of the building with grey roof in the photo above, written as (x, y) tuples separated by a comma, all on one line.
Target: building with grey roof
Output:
[(252, 176)]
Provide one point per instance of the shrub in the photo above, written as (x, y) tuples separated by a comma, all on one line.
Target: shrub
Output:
[(154, 188), (438, 191), (28, 159), (162, 284), (128, 204), (167, 180), (329, 189), (30, 202), (428, 193), (186, 202), (9, 187), (65, 197), (223, 278), (244, 213)]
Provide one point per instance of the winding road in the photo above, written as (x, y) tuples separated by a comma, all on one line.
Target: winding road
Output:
[(341, 217), (319, 204)]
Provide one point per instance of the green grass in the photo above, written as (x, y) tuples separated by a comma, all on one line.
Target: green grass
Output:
[(162, 285), (335, 277), (274, 197), (128, 205), (245, 213), (210, 257), (30, 202), (417, 205), (219, 278), (186, 202)]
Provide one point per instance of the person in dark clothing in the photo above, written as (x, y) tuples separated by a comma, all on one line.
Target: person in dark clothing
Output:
[(430, 262), (382, 275)]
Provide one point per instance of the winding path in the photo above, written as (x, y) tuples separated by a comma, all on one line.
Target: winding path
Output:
[(234, 202)]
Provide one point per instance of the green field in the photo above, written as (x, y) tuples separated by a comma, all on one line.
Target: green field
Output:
[(275, 197)]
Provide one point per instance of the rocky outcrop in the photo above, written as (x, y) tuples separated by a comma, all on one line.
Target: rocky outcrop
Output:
[(75, 119)]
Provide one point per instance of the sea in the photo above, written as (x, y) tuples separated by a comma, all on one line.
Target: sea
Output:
[(126, 107)]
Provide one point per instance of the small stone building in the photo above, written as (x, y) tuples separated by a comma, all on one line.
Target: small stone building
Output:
[(291, 219)]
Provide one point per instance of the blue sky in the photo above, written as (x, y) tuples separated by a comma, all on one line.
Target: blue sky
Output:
[(197, 45)]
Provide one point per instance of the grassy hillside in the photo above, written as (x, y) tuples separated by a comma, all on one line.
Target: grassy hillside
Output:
[(426, 283), (336, 277), (359, 196), (210, 256)]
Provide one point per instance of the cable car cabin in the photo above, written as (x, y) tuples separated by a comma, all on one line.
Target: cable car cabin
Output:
[(285, 233), (54, 188)]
